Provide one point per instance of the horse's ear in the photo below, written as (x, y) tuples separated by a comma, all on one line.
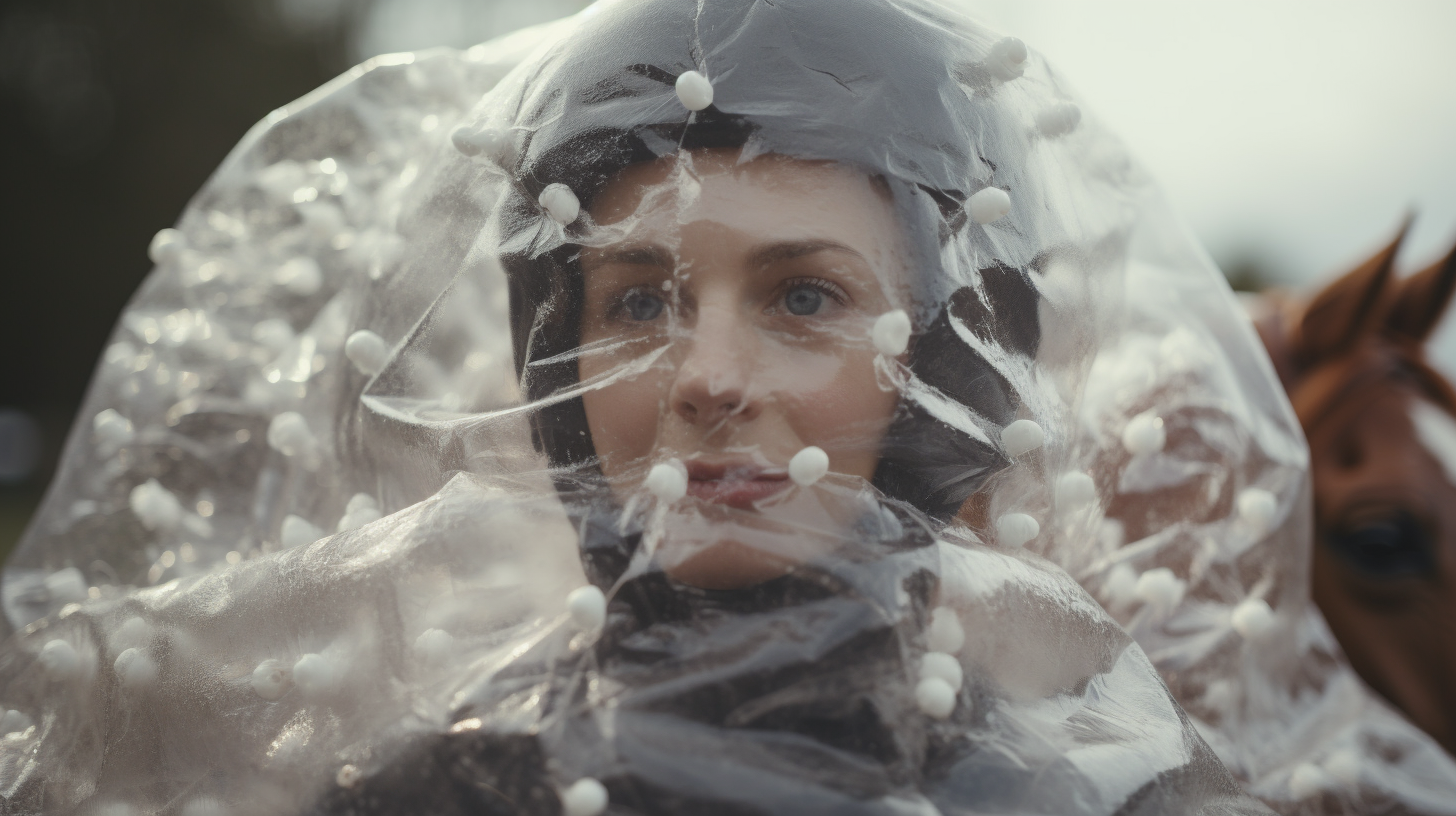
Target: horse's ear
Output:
[(1347, 309), (1421, 300)]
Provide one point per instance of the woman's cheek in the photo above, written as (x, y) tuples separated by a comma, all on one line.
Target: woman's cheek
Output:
[(623, 419)]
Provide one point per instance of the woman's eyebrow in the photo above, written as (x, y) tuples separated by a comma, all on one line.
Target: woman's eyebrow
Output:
[(634, 254), (789, 250)]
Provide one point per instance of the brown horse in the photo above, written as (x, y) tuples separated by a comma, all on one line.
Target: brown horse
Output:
[(1381, 425)]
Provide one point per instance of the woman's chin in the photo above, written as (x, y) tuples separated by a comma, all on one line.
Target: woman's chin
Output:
[(722, 565)]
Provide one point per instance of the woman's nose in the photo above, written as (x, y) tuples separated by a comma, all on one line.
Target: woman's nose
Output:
[(713, 379)]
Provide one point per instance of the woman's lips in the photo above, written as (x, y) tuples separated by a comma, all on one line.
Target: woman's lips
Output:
[(739, 485)]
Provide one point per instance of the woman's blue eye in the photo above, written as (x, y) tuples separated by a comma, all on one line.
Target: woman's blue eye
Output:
[(642, 306), (803, 299)]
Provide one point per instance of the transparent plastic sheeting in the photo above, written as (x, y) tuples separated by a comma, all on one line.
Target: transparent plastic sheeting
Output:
[(730, 408)]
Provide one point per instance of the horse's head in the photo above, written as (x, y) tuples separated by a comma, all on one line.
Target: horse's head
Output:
[(1381, 425)]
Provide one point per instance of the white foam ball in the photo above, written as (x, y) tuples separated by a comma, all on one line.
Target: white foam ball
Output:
[(694, 90), (1007, 59), (1159, 587), (134, 632), (1022, 436), (362, 509), (59, 661), (166, 245), (585, 797), (205, 806), (935, 697), (111, 428), (270, 680), (297, 531), (560, 203), (65, 586), (473, 140), (989, 204), (944, 666), (1253, 619), (1121, 585), (1257, 507), (315, 675), (945, 633), (1016, 529), (300, 276), (808, 466), (367, 351), (288, 434), (1344, 766), (155, 505), (14, 721), (274, 334), (434, 646), (668, 481), (1058, 119), (1307, 781), (1074, 489), (135, 670), (1144, 435), (348, 776), (587, 607), (891, 333)]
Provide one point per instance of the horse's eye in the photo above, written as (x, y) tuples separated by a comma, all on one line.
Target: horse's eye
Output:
[(1392, 547)]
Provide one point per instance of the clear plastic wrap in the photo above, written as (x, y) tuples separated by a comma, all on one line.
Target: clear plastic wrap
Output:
[(686, 408)]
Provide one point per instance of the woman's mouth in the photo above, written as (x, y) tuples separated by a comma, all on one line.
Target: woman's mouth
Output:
[(740, 485)]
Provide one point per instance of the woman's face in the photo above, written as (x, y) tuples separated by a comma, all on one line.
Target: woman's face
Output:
[(726, 323)]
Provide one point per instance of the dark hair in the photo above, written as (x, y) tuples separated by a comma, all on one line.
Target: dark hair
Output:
[(847, 81)]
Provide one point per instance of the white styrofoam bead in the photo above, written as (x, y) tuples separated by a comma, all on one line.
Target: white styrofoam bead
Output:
[(473, 140), (1016, 529), (1121, 585), (135, 670), (935, 697), (111, 428), (1022, 436), (59, 661), (891, 333), (1058, 119), (205, 806), (13, 721), (694, 90), (1253, 619), (367, 351), (362, 509), (288, 433), (1307, 781), (1007, 59), (989, 204), (270, 680), (1257, 507), (297, 531), (1144, 434), (315, 675), (134, 632), (155, 506), (348, 776), (588, 607), (1159, 587), (65, 586), (1343, 766), (585, 797), (944, 666), (166, 245), (560, 203), (808, 466), (300, 276), (434, 646), (668, 481), (1074, 489), (945, 633), (273, 334)]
